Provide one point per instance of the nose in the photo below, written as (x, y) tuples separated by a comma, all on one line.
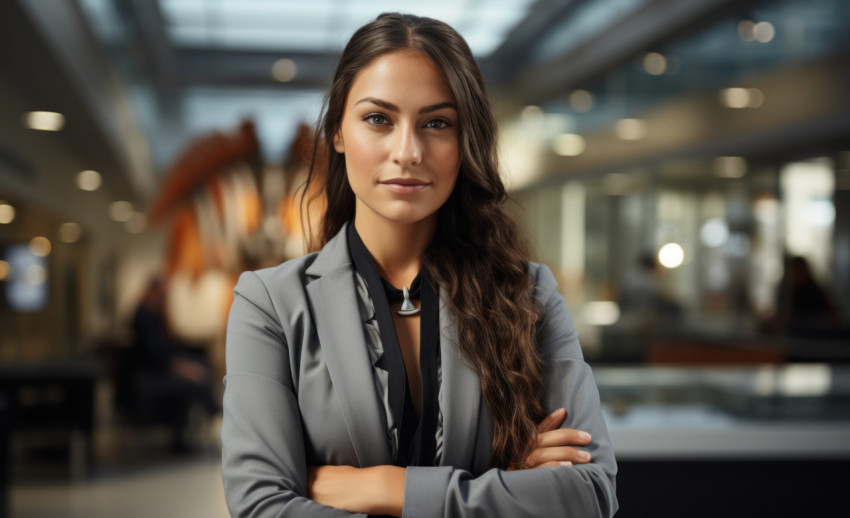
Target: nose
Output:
[(407, 148)]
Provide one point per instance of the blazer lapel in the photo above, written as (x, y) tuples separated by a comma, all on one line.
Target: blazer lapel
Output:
[(333, 298), (467, 427)]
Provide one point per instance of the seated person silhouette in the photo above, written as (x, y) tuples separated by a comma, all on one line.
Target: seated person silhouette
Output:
[(169, 380)]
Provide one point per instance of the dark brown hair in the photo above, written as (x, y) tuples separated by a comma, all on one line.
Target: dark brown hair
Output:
[(477, 256)]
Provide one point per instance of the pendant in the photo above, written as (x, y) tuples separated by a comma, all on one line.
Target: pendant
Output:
[(407, 307)]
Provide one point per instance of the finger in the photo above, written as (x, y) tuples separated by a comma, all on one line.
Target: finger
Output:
[(558, 454), (563, 437), (552, 421)]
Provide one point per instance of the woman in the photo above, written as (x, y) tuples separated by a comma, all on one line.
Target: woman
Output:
[(346, 394)]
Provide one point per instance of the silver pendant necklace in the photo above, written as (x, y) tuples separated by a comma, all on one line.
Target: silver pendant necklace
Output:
[(407, 308)]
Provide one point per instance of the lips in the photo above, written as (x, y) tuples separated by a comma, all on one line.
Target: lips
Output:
[(404, 185)]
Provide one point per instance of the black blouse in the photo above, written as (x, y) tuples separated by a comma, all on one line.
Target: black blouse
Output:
[(417, 441)]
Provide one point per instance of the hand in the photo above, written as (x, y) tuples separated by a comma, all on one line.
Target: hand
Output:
[(555, 444), (375, 490)]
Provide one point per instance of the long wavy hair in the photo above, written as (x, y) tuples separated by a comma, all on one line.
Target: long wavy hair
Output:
[(477, 256)]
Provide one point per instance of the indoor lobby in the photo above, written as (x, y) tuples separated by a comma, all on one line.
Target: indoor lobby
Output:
[(683, 168)]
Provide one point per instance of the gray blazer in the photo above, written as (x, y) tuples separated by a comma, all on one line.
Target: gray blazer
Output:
[(300, 391)]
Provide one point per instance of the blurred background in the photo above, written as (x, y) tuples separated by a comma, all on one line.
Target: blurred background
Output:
[(683, 168)]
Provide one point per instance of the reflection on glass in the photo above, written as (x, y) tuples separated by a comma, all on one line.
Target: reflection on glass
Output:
[(26, 283)]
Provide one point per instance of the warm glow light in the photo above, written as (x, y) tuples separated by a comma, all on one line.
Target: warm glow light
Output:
[(70, 232), (568, 144), (805, 380), (88, 180), (735, 97), (747, 30), (671, 255), (533, 115), (630, 129), (40, 246), (121, 211), (284, 70), (764, 32), (136, 224), (4, 270), (7, 213), (741, 97), (601, 313), (654, 63), (730, 166), (581, 101), (44, 121)]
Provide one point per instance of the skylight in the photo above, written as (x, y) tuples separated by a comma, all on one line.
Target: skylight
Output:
[(325, 25)]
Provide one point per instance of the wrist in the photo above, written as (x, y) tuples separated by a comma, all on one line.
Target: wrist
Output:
[(388, 484)]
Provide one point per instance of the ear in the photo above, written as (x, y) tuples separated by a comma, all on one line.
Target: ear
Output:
[(339, 146)]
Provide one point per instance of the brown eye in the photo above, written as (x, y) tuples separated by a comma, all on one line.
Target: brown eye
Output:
[(437, 124), (376, 119)]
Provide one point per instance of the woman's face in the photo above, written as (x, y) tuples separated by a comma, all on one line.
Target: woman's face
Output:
[(399, 134)]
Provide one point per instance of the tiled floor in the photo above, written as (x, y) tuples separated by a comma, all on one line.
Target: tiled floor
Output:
[(134, 475), (180, 489)]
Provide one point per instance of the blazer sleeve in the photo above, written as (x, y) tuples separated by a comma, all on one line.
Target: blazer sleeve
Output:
[(263, 454), (580, 490)]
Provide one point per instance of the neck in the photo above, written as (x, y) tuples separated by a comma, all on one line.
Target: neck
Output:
[(396, 248)]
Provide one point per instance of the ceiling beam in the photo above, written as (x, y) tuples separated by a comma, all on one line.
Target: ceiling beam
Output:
[(656, 22), (81, 67)]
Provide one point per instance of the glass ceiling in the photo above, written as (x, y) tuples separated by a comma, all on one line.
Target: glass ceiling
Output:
[(716, 56), (325, 25)]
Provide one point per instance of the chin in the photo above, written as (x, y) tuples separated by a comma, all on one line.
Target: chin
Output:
[(409, 216)]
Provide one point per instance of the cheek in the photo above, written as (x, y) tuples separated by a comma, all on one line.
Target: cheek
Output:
[(448, 158), (361, 153)]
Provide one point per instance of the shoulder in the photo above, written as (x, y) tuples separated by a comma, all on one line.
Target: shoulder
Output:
[(266, 285), (544, 281), (557, 324)]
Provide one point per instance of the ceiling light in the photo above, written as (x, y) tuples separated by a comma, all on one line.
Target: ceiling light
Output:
[(735, 97), (747, 30), (568, 144), (764, 32), (581, 101), (44, 121), (89, 180), (671, 255), (121, 211), (654, 63), (630, 129), (284, 70), (533, 115), (70, 232), (7, 213), (40, 246)]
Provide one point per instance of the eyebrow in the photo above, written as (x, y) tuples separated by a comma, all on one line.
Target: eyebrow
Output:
[(392, 107)]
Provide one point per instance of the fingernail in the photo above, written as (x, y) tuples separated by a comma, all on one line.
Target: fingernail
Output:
[(557, 412), (565, 463), (584, 436), (583, 455)]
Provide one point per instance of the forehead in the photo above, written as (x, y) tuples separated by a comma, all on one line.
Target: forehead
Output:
[(402, 77)]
